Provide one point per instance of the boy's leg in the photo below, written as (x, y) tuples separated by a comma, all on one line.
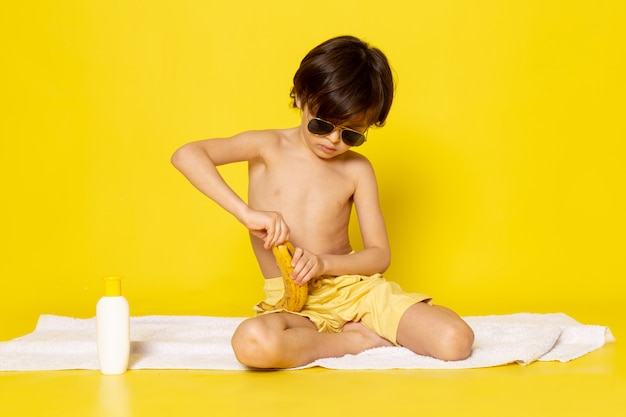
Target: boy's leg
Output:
[(284, 340), (435, 331)]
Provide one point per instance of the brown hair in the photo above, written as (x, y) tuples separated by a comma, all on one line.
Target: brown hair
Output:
[(345, 78)]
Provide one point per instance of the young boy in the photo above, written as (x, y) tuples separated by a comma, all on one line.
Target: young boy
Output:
[(303, 183)]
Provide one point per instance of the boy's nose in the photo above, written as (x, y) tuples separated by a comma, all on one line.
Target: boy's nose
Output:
[(335, 136)]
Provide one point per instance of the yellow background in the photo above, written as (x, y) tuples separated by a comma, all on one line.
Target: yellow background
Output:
[(501, 168)]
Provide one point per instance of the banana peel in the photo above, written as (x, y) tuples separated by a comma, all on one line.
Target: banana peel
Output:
[(294, 296)]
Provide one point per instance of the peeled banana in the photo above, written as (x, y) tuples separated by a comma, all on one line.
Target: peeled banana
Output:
[(294, 296)]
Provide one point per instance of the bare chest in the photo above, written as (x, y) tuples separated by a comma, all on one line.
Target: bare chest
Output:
[(300, 187)]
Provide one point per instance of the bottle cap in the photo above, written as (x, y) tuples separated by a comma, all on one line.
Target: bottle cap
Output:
[(113, 286)]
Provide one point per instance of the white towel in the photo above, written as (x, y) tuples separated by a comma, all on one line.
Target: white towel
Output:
[(203, 342)]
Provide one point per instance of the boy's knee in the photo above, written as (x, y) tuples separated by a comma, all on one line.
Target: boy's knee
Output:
[(456, 342), (255, 345)]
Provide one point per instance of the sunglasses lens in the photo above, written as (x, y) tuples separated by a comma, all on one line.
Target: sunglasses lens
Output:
[(352, 138), (320, 127)]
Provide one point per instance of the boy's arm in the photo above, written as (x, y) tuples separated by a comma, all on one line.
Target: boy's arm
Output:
[(198, 162)]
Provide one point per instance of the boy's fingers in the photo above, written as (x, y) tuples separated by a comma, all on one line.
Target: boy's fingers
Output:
[(277, 236)]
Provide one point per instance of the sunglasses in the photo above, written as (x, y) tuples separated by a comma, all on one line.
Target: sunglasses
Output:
[(350, 137)]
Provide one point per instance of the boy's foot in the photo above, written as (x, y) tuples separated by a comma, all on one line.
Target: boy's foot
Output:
[(372, 339)]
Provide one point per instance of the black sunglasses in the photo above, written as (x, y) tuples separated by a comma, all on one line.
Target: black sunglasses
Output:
[(350, 137)]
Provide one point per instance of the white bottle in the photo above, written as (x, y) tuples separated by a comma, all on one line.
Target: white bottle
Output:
[(113, 328)]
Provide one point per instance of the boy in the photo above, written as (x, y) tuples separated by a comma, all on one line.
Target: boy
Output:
[(303, 182)]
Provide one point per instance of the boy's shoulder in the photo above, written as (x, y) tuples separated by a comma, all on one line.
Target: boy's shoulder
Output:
[(266, 137), (268, 134)]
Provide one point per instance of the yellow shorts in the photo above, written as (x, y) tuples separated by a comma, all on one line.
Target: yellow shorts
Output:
[(333, 301)]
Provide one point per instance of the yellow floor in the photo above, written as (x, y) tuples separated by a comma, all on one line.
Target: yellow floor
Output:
[(594, 385)]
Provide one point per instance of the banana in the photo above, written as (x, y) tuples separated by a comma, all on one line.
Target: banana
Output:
[(294, 296)]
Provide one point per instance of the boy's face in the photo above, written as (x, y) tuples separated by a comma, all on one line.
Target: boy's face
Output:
[(332, 144)]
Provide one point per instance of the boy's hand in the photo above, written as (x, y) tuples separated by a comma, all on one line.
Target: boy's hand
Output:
[(268, 226), (306, 266)]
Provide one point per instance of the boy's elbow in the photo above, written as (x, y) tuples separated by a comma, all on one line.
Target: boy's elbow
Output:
[(385, 265), (385, 261), (178, 157)]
